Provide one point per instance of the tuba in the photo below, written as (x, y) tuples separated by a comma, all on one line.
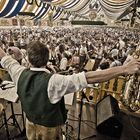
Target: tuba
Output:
[(131, 94)]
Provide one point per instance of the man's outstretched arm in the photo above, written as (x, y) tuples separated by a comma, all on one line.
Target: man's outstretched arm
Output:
[(133, 66)]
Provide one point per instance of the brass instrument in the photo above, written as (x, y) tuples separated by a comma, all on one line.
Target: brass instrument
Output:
[(131, 94)]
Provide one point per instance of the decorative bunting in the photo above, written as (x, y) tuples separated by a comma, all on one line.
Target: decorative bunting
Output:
[(78, 8), (45, 11), (38, 2), (59, 12), (41, 9), (60, 2), (2, 3), (114, 9), (17, 9), (70, 5), (8, 8)]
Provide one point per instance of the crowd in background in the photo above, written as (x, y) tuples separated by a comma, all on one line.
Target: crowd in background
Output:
[(72, 48)]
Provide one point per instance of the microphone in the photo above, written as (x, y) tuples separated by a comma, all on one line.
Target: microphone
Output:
[(84, 94)]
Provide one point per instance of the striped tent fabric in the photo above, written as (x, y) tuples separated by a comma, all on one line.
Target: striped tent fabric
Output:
[(63, 8), (16, 8), (8, 6), (114, 8)]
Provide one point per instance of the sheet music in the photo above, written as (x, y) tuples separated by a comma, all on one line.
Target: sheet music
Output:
[(9, 92)]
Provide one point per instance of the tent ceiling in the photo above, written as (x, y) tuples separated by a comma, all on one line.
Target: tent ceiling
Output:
[(57, 9)]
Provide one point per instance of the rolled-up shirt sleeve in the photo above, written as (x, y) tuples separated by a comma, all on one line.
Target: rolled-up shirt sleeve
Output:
[(59, 85), (13, 67)]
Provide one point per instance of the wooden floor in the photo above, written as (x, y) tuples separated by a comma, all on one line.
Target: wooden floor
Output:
[(131, 124)]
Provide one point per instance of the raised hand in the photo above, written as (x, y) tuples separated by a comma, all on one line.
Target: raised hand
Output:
[(132, 66)]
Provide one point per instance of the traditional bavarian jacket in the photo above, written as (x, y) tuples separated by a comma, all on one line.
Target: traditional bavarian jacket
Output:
[(32, 87)]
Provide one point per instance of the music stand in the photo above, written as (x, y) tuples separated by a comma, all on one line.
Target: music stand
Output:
[(83, 96), (8, 92), (69, 102)]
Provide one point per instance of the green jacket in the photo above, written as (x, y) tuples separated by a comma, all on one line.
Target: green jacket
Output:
[(32, 91)]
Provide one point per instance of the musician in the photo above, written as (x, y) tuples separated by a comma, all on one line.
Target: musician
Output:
[(42, 93)]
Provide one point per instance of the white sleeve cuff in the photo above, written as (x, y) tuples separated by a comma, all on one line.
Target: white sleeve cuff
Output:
[(83, 79), (4, 59)]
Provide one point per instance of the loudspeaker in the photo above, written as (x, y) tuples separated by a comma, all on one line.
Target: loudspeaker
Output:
[(107, 117)]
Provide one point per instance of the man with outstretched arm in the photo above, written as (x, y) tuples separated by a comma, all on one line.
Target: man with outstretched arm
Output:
[(42, 93)]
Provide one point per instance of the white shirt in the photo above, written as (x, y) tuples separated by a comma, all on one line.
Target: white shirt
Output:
[(114, 52), (122, 44), (63, 63), (115, 63), (83, 50), (58, 85)]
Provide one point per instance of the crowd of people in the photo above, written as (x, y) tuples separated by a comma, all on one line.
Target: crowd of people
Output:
[(37, 59), (71, 48)]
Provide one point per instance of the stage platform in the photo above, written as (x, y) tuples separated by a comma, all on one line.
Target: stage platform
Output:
[(131, 124)]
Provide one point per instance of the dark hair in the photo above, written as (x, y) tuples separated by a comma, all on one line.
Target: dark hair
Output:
[(11, 44), (65, 55), (38, 54), (104, 65), (61, 48)]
